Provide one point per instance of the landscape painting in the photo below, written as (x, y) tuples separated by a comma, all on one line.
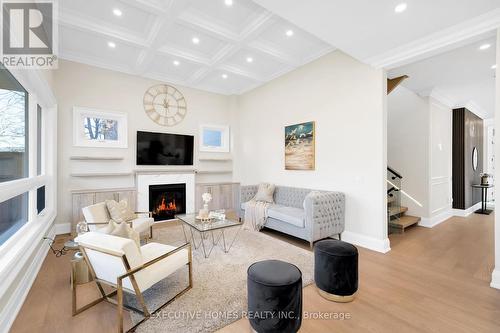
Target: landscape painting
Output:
[(299, 146), (99, 128)]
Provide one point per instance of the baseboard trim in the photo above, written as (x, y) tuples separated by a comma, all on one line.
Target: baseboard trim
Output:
[(495, 279), (370, 243), (466, 212), (16, 300), (62, 228), (435, 220)]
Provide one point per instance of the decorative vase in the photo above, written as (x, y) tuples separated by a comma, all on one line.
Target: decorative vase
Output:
[(204, 211), (81, 228)]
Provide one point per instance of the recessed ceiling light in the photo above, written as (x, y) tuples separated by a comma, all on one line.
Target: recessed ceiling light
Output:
[(289, 33), (176, 62), (117, 12), (249, 59), (401, 7), (484, 47), (112, 45), (224, 76), (196, 40), (494, 67), (228, 3)]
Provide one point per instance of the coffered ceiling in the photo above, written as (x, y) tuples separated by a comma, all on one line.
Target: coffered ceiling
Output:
[(222, 46)]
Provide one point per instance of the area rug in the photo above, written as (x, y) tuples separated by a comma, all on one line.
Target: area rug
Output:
[(219, 293)]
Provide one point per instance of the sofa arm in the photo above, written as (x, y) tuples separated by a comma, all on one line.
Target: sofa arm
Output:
[(324, 213), (247, 192)]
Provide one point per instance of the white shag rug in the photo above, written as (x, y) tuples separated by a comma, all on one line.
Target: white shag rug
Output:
[(219, 293)]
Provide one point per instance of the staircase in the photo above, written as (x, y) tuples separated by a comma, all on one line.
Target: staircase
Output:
[(396, 214)]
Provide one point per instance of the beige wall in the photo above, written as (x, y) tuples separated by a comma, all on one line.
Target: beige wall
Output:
[(86, 86), (346, 100)]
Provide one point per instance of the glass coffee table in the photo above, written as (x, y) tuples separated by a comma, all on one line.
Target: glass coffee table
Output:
[(211, 233)]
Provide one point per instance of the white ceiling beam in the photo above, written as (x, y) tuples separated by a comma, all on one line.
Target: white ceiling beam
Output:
[(274, 52), (72, 20), (177, 52), (152, 7)]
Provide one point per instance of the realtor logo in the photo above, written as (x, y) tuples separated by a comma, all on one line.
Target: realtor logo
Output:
[(28, 34)]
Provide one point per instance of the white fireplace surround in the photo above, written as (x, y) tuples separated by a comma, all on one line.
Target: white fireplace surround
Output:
[(144, 180)]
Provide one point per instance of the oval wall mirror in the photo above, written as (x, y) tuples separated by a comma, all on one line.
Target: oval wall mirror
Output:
[(474, 159)]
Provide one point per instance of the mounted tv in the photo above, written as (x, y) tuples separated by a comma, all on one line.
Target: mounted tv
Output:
[(164, 149)]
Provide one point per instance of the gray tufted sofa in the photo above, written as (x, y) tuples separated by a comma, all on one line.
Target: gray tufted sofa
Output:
[(307, 214)]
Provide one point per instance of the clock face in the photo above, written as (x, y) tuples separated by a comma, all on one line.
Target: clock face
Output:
[(165, 105)]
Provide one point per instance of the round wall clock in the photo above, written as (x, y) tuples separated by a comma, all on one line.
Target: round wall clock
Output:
[(165, 105)]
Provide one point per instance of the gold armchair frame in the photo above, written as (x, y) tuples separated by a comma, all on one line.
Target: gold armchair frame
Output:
[(119, 286)]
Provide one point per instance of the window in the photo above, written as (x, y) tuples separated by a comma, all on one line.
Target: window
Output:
[(23, 180), (13, 215), (214, 138), (13, 128)]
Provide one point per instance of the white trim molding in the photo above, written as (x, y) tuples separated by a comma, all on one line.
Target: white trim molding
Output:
[(466, 212), (495, 279), (441, 41), (32, 254), (62, 228), (370, 243), (431, 222)]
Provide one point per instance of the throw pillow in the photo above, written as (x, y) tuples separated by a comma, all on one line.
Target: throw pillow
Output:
[(265, 193), (119, 211), (121, 230)]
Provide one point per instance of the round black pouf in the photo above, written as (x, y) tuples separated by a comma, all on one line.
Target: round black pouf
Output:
[(336, 270), (274, 297)]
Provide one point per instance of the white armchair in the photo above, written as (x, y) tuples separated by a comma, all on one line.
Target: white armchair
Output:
[(97, 216), (119, 263)]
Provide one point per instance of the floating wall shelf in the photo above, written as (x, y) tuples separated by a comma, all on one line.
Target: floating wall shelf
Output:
[(96, 158), (98, 174)]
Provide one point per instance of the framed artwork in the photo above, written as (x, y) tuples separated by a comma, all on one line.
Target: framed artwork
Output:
[(99, 129), (300, 146), (214, 138)]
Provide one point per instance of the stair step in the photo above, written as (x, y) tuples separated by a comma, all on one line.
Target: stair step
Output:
[(405, 221), (393, 211)]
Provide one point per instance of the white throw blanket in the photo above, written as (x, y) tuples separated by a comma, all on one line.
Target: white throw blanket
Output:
[(255, 214)]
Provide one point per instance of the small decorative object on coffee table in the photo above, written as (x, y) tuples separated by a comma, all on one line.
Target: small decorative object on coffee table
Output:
[(215, 230), (207, 197)]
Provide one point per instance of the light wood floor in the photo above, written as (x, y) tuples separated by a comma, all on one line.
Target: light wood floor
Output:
[(433, 280)]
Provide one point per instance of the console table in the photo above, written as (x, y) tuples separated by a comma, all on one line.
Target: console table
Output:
[(484, 198)]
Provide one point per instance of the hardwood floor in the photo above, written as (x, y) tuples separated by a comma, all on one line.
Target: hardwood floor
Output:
[(433, 280)]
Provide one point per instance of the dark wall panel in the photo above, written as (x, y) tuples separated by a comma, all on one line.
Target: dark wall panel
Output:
[(467, 134)]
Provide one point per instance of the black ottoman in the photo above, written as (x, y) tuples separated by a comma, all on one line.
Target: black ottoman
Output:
[(274, 297), (336, 270)]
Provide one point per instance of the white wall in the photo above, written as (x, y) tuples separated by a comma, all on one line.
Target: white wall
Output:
[(346, 99), (440, 188), (408, 146), (86, 86)]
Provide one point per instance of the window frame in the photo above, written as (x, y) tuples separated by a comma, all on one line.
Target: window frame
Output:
[(224, 130)]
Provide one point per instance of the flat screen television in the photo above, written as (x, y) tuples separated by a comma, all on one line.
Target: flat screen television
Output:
[(164, 149)]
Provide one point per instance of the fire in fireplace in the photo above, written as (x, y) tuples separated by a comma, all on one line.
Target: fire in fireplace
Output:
[(165, 201)]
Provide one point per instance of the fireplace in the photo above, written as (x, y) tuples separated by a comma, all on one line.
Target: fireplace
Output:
[(167, 200)]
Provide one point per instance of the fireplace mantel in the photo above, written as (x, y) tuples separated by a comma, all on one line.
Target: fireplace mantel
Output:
[(149, 177)]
